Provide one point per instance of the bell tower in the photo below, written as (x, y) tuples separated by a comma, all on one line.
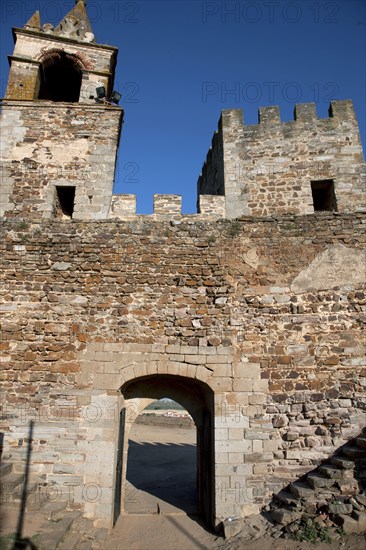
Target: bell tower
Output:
[(58, 135)]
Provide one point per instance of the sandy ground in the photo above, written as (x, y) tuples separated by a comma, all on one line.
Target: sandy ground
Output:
[(9, 519)]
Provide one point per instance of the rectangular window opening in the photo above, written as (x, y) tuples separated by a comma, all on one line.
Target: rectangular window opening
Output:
[(324, 198), (65, 197)]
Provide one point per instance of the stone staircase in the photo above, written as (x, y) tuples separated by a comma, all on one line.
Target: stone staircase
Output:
[(334, 494), (61, 527), (11, 484)]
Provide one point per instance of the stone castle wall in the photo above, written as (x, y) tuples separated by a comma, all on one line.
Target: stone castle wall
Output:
[(254, 170), (253, 325), (266, 312), (268, 168)]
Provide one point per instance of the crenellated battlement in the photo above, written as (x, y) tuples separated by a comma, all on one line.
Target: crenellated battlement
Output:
[(209, 207), (58, 143), (293, 167), (340, 111), (273, 167)]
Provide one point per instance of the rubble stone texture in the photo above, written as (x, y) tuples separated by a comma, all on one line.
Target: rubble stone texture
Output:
[(254, 325), (268, 168)]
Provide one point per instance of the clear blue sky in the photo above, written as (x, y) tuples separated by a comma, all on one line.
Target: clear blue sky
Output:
[(181, 62)]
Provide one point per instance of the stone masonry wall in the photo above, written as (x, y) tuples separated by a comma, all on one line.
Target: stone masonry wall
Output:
[(269, 167), (45, 144), (267, 313)]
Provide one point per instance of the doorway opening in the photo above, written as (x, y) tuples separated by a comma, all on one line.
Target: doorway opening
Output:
[(150, 473), (161, 472)]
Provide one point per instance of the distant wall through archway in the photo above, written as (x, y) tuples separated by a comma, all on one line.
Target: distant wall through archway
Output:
[(198, 400)]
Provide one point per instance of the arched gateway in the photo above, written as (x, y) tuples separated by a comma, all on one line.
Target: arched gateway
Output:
[(127, 377), (198, 399)]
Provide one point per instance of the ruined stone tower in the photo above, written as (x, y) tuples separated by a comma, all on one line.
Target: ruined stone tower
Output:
[(58, 144), (296, 167), (253, 324)]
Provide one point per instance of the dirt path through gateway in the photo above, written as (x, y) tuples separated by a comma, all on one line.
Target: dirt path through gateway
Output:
[(161, 470), (163, 467), (161, 492)]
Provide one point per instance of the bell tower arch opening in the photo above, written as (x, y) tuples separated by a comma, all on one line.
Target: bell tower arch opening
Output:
[(198, 400), (60, 78)]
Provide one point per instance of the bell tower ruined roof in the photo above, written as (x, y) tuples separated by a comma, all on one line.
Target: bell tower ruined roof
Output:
[(34, 22), (75, 25)]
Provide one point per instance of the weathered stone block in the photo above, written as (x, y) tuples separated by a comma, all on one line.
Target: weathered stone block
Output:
[(258, 457), (235, 433), (360, 517), (234, 446), (232, 527), (349, 525), (243, 385), (340, 508), (284, 516)]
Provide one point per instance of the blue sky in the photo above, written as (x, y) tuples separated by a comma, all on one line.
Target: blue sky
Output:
[(181, 62)]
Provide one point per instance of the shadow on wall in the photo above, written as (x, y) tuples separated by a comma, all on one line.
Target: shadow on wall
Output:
[(161, 477), (333, 494), (20, 542)]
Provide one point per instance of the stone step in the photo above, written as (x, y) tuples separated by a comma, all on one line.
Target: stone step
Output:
[(55, 531), (318, 480), (71, 541), (354, 452), (330, 471), (302, 490), (42, 502), (5, 469), (348, 487), (36, 504), (284, 516), (361, 499), (340, 508), (13, 492), (356, 505), (361, 442), (323, 495), (53, 509), (342, 462), (289, 499), (11, 488), (350, 525), (360, 517)]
